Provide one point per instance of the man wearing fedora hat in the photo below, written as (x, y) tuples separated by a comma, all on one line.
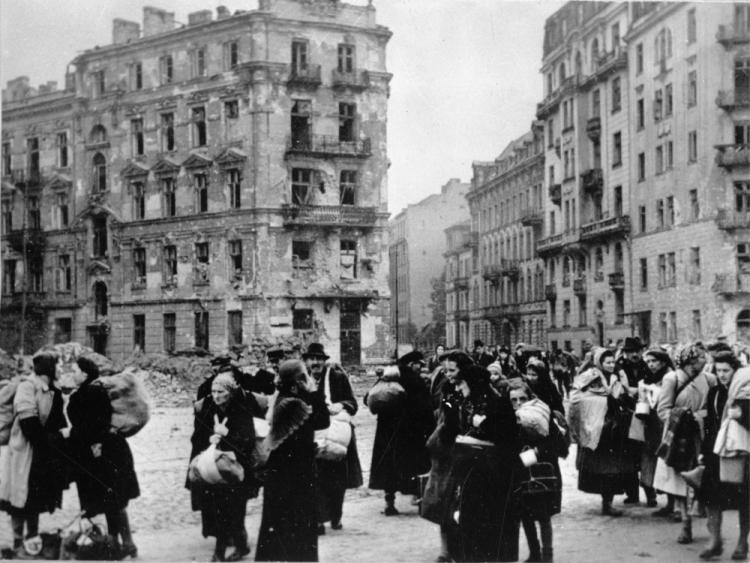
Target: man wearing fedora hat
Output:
[(334, 477)]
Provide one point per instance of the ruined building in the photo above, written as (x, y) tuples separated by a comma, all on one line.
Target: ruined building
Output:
[(202, 185)]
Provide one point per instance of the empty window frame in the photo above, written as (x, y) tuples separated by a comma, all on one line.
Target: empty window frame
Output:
[(301, 254), (170, 264), (198, 121), (139, 266), (168, 196), (348, 187), (166, 69), (301, 185), (348, 260), (62, 210), (235, 257), (138, 145), (234, 185), (169, 323), (139, 332), (62, 149), (200, 183), (234, 328), (167, 132), (347, 118)]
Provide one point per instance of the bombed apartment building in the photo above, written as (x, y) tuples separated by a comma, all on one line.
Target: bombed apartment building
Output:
[(204, 185)]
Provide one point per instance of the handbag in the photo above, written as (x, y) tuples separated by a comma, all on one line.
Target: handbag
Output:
[(216, 467), (538, 495), (89, 544)]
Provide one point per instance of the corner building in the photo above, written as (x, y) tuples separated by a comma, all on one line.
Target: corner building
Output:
[(506, 205), (586, 245), (204, 185)]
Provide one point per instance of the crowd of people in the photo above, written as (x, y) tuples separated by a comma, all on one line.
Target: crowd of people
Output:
[(474, 437)]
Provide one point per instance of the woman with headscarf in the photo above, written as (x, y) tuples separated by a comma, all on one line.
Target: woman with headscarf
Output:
[(659, 364), (685, 388), (599, 418), (547, 449), (225, 418), (539, 381), (31, 478), (288, 527), (727, 401), (104, 470), (479, 515)]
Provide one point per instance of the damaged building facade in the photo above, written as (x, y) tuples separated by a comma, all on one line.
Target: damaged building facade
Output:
[(204, 185)]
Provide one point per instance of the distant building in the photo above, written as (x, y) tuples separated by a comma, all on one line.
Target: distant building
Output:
[(460, 270), (507, 294), (204, 185), (417, 244)]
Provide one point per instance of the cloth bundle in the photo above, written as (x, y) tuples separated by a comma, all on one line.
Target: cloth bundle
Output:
[(130, 402), (216, 467), (534, 416), (333, 442), (587, 410), (387, 395)]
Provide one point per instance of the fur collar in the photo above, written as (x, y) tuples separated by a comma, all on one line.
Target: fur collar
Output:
[(288, 414)]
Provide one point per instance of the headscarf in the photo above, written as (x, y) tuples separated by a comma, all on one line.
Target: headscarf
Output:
[(225, 380), (662, 356), (688, 354), (599, 355)]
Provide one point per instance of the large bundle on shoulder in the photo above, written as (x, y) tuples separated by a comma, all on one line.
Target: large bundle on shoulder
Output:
[(387, 395), (587, 410), (130, 401), (534, 416)]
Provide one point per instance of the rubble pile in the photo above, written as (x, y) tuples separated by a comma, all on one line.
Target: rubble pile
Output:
[(171, 380)]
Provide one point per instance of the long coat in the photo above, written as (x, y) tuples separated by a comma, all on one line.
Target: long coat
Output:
[(399, 452), (288, 529), (106, 481), (222, 507), (31, 478)]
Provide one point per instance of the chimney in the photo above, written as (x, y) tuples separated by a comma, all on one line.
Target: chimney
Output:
[(203, 16), (51, 86), (124, 31), (156, 21), (222, 12)]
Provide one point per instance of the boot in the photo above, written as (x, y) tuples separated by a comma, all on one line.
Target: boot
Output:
[(547, 554), (686, 536), (220, 550)]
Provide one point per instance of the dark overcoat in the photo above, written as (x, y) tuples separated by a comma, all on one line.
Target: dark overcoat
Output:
[(400, 453), (105, 475)]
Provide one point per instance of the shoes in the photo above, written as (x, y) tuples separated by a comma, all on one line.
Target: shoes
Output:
[(651, 503), (337, 525), (607, 510), (321, 529), (686, 536), (740, 554), (534, 558), (662, 512), (129, 550), (629, 500), (676, 517), (711, 552), (391, 511), (238, 553)]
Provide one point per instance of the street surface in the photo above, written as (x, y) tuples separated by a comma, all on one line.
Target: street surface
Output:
[(165, 529)]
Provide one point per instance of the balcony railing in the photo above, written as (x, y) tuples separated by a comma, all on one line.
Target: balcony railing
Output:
[(594, 128), (729, 219), (492, 272), (307, 77), (509, 267), (730, 156), (461, 282), (592, 180), (606, 227), (531, 218), (729, 35), (731, 99), (550, 292), (549, 103), (357, 80), (555, 193), (614, 60), (617, 281), (550, 244), (729, 284), (579, 285), (327, 146), (329, 216)]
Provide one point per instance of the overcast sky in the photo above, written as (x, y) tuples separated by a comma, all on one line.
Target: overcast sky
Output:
[(466, 72)]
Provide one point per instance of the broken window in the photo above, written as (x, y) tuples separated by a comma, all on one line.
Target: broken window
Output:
[(348, 187), (199, 126), (299, 57), (139, 200), (743, 258), (139, 266), (99, 83), (62, 149), (99, 229), (201, 192), (301, 254), (7, 208), (301, 124), (231, 55), (101, 300), (234, 321), (166, 69), (346, 58), (302, 319), (231, 109), (36, 271), (34, 213), (235, 257), (301, 185), (170, 264), (63, 330), (169, 204), (742, 80), (201, 262), (136, 135), (348, 259), (347, 113), (742, 196), (170, 331), (9, 277), (234, 183), (167, 132), (63, 278), (139, 332), (99, 163), (32, 146), (201, 329), (136, 76)]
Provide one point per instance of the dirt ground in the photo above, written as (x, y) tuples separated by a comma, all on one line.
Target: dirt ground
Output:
[(166, 530)]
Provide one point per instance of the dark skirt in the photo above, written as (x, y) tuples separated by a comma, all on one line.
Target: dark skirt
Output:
[(222, 509), (605, 472), (726, 496)]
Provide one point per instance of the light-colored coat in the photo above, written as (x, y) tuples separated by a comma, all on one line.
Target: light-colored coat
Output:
[(33, 398)]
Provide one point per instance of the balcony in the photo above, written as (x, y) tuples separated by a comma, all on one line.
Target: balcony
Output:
[(617, 281), (594, 128), (509, 268), (548, 105), (328, 216), (355, 80), (326, 146), (730, 156), (729, 219), (307, 77), (592, 180), (472, 240), (605, 228), (492, 311), (729, 36), (531, 218), (555, 193), (461, 282), (579, 285), (731, 284), (550, 292), (729, 100), (616, 59), (550, 244), (492, 272), (509, 309)]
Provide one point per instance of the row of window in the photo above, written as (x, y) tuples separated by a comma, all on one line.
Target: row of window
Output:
[(582, 306), (510, 209)]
